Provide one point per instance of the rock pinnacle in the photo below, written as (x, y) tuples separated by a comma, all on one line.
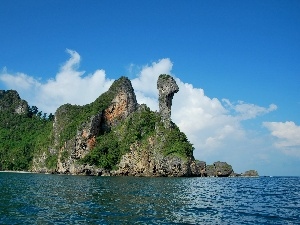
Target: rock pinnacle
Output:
[(167, 87)]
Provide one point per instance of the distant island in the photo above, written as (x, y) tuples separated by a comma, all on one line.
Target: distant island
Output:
[(112, 136)]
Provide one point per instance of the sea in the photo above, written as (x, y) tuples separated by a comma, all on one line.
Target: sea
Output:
[(27, 198)]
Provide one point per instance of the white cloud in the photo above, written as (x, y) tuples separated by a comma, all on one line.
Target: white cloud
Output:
[(245, 111), (19, 81), (288, 136), (68, 86)]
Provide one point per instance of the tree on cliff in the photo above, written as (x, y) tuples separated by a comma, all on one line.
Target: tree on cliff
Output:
[(21, 134)]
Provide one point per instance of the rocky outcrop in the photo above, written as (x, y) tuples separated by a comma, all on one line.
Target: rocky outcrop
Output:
[(250, 173), (78, 147), (219, 169), (10, 101), (131, 138), (123, 104), (143, 159), (85, 139), (147, 160), (163, 151), (167, 87), (198, 168)]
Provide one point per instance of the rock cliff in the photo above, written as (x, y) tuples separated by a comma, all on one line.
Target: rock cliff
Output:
[(116, 136), (219, 169), (10, 101), (123, 104), (147, 158), (89, 122), (167, 87), (250, 173), (112, 136)]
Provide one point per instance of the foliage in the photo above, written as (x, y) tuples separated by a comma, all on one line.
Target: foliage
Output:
[(112, 145), (20, 137), (137, 128), (51, 161), (164, 76), (177, 143), (64, 155), (70, 117)]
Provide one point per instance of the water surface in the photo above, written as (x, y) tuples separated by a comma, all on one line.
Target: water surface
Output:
[(63, 199)]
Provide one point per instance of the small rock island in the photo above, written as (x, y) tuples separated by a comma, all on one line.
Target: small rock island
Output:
[(112, 136)]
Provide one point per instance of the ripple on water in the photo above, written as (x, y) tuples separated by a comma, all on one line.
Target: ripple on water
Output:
[(48, 199)]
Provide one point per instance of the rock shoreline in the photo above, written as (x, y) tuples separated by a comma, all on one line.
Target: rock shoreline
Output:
[(197, 169), (87, 170)]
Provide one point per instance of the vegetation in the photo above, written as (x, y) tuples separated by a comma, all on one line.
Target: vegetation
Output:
[(137, 129), (165, 76), (176, 143), (73, 116), (112, 145), (21, 136)]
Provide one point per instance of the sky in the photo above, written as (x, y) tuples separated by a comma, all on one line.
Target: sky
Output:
[(237, 65)]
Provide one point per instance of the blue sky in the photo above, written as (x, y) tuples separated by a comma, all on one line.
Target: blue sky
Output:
[(237, 64)]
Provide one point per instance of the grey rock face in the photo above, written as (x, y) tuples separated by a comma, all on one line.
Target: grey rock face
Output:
[(78, 147), (86, 137), (250, 173), (198, 168), (219, 169), (150, 162), (143, 162), (11, 101), (167, 87)]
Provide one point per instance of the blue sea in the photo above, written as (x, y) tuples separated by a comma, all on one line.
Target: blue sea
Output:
[(63, 199)]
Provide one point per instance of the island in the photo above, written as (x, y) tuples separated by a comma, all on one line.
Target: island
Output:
[(112, 136)]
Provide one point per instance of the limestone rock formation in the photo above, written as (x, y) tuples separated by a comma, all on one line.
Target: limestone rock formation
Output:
[(198, 168), (85, 138), (112, 136), (123, 104), (219, 169), (151, 162), (78, 147), (10, 101), (167, 87), (147, 160), (250, 173), (152, 155)]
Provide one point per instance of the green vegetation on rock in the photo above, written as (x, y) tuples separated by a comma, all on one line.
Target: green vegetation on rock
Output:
[(71, 117), (137, 128), (21, 134)]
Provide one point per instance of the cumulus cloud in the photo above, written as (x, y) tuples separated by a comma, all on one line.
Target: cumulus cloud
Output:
[(287, 136), (245, 111), (19, 81), (68, 86)]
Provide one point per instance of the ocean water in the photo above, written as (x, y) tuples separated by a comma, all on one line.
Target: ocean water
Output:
[(62, 199)]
